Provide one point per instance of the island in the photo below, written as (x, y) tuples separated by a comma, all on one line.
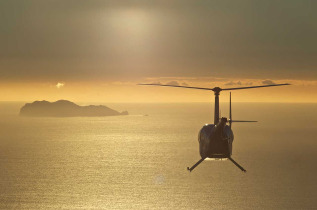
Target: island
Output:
[(64, 108)]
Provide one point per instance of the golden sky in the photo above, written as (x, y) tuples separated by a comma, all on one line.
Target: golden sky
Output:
[(97, 51)]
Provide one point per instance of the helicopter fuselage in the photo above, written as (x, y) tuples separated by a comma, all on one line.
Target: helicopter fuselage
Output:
[(215, 141)]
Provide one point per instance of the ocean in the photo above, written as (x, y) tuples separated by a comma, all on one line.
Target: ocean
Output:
[(139, 161)]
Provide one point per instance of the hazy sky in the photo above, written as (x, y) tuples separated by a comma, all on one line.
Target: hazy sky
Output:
[(98, 50)]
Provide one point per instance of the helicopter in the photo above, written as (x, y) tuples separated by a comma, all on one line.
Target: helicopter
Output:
[(215, 140)]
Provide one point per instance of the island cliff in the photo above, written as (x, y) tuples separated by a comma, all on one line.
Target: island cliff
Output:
[(64, 108)]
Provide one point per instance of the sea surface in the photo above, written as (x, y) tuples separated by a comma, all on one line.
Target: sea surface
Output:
[(139, 161)]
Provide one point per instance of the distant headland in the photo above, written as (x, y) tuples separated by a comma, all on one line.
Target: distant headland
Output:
[(64, 108)]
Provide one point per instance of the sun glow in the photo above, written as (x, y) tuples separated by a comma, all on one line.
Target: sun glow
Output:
[(132, 25)]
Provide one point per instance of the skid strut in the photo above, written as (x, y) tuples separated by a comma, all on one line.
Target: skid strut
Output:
[(234, 162), (196, 164)]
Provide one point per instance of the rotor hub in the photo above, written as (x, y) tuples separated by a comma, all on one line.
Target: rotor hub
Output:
[(217, 90)]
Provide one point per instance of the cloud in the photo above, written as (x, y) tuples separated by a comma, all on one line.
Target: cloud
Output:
[(248, 83), (172, 83), (268, 82), (239, 83), (157, 83), (121, 83), (55, 31), (234, 83), (60, 85)]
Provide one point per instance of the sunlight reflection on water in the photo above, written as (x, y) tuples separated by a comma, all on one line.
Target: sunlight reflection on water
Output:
[(137, 162)]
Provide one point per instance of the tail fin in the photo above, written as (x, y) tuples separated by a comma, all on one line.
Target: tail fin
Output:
[(230, 116)]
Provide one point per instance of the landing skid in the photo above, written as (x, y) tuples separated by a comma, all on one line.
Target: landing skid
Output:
[(234, 162), (196, 164)]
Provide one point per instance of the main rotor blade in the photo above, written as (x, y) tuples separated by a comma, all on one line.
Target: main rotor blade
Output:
[(254, 87), (179, 86)]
